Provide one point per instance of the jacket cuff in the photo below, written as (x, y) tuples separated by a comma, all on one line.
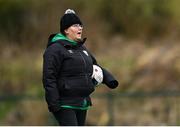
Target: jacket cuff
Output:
[(112, 84)]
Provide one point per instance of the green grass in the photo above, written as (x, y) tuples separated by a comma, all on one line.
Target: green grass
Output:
[(6, 107)]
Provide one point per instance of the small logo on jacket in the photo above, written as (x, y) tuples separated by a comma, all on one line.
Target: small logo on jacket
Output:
[(70, 51), (85, 52)]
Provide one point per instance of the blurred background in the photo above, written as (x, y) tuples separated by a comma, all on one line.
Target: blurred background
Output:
[(137, 40)]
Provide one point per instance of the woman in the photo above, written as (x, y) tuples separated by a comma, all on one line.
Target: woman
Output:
[(68, 75)]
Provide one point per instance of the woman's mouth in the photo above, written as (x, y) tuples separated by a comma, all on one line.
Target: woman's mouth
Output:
[(79, 33)]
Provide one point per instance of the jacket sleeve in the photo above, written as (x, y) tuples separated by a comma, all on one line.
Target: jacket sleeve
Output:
[(51, 65), (108, 78)]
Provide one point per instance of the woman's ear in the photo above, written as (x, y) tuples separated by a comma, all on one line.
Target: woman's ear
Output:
[(66, 31)]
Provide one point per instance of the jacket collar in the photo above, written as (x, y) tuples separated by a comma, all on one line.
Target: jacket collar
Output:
[(66, 43)]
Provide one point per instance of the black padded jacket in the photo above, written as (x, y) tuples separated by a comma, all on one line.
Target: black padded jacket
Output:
[(67, 71)]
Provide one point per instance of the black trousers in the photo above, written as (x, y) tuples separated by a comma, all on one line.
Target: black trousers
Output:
[(70, 117)]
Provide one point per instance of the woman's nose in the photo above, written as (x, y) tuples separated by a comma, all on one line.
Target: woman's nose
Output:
[(80, 27)]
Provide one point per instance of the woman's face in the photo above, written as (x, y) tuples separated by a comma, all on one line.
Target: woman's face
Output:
[(74, 32)]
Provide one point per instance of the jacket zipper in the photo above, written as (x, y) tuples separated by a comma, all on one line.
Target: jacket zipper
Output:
[(84, 67)]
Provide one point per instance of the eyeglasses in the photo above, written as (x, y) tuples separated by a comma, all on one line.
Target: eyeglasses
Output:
[(77, 25)]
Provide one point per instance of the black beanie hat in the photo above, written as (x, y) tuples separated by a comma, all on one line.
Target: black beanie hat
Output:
[(68, 19)]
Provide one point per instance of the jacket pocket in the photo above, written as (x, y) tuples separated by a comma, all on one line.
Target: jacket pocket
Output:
[(78, 86)]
